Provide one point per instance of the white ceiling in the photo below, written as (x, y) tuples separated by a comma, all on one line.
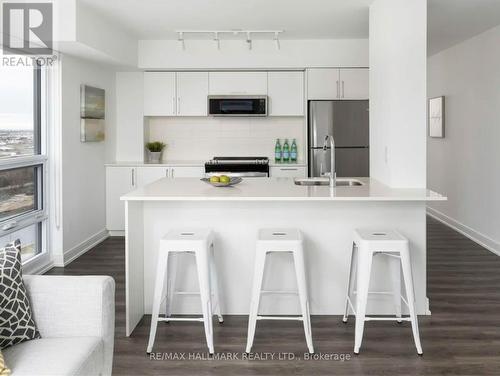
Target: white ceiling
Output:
[(301, 19), (449, 21), (453, 21)]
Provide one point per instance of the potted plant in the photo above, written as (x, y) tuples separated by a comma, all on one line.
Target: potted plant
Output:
[(154, 151)]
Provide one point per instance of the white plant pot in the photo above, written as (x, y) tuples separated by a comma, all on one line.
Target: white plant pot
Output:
[(154, 156)]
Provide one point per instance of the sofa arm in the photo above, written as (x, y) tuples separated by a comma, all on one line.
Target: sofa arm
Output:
[(74, 306)]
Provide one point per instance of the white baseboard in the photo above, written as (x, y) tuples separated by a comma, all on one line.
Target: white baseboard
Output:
[(477, 237), (84, 246), (116, 233)]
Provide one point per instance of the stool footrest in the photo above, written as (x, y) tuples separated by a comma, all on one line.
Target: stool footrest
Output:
[(293, 318), (199, 319), (279, 292), (368, 318)]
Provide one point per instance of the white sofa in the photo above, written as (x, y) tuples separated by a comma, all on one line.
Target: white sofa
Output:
[(76, 319)]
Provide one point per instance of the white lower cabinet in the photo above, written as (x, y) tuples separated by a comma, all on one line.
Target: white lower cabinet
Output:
[(288, 171), (147, 175), (187, 172), (121, 180)]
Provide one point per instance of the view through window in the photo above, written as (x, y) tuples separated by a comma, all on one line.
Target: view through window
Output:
[(22, 159)]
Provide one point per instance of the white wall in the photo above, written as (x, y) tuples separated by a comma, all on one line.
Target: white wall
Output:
[(398, 92), (203, 138), (83, 173), (234, 54), (465, 165)]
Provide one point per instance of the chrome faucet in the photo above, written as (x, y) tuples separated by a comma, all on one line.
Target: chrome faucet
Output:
[(333, 174)]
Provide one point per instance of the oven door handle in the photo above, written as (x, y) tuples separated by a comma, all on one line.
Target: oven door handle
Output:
[(238, 174)]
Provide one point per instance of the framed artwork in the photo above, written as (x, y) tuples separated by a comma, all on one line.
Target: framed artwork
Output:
[(436, 117), (92, 113)]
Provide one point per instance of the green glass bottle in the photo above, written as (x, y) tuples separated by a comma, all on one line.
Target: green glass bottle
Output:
[(293, 152), (277, 151), (286, 152)]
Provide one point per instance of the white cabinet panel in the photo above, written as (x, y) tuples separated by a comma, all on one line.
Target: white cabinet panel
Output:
[(119, 181), (323, 83), (187, 172), (288, 172), (238, 83), (159, 94), (354, 83), (147, 175), (286, 93), (192, 92)]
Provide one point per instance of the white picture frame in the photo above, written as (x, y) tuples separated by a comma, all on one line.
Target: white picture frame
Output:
[(436, 117)]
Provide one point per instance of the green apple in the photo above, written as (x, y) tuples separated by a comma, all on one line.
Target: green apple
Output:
[(214, 179), (224, 179)]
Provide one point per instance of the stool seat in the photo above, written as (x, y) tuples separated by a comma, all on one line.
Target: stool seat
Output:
[(199, 242), (286, 240), (188, 235), (368, 243)]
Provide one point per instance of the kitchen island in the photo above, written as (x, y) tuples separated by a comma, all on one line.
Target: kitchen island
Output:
[(326, 216)]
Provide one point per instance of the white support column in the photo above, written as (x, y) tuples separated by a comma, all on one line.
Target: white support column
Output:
[(398, 69)]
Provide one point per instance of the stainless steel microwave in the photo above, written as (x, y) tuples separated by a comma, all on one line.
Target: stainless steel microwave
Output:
[(237, 105)]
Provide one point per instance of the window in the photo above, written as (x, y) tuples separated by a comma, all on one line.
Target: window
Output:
[(22, 160)]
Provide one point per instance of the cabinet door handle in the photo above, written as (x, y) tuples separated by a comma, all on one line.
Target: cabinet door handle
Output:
[(338, 89), (172, 172), (133, 178), (173, 106), (289, 169), (178, 105), (166, 172), (343, 91)]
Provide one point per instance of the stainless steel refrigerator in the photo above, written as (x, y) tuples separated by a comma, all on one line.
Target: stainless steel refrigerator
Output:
[(348, 122)]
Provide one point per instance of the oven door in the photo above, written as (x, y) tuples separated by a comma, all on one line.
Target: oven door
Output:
[(237, 105)]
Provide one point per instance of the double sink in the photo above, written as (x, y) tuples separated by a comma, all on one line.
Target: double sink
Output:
[(341, 182)]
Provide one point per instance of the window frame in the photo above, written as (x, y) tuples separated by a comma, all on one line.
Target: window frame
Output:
[(39, 160)]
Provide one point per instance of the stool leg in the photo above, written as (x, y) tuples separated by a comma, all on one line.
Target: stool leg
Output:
[(215, 285), (260, 260), (350, 282), (364, 266), (410, 297), (395, 266), (202, 266), (171, 279), (161, 271), (304, 301)]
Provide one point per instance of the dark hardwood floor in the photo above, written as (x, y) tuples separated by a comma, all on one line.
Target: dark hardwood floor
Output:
[(462, 337)]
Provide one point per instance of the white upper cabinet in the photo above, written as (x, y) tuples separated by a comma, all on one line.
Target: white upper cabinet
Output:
[(354, 83), (237, 83), (192, 92), (286, 93), (335, 83), (159, 94), (323, 83)]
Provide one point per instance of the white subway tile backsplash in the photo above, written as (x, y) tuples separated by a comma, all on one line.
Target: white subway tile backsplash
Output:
[(199, 138)]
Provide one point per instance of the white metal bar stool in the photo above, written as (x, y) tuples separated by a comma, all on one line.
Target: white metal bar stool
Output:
[(367, 244), (279, 240), (200, 243)]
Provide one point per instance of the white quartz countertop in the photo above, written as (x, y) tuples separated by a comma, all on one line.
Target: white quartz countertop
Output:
[(186, 163), (275, 189), (171, 163)]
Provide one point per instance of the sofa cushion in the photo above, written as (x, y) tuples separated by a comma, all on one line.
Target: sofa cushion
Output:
[(56, 357), (16, 319)]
